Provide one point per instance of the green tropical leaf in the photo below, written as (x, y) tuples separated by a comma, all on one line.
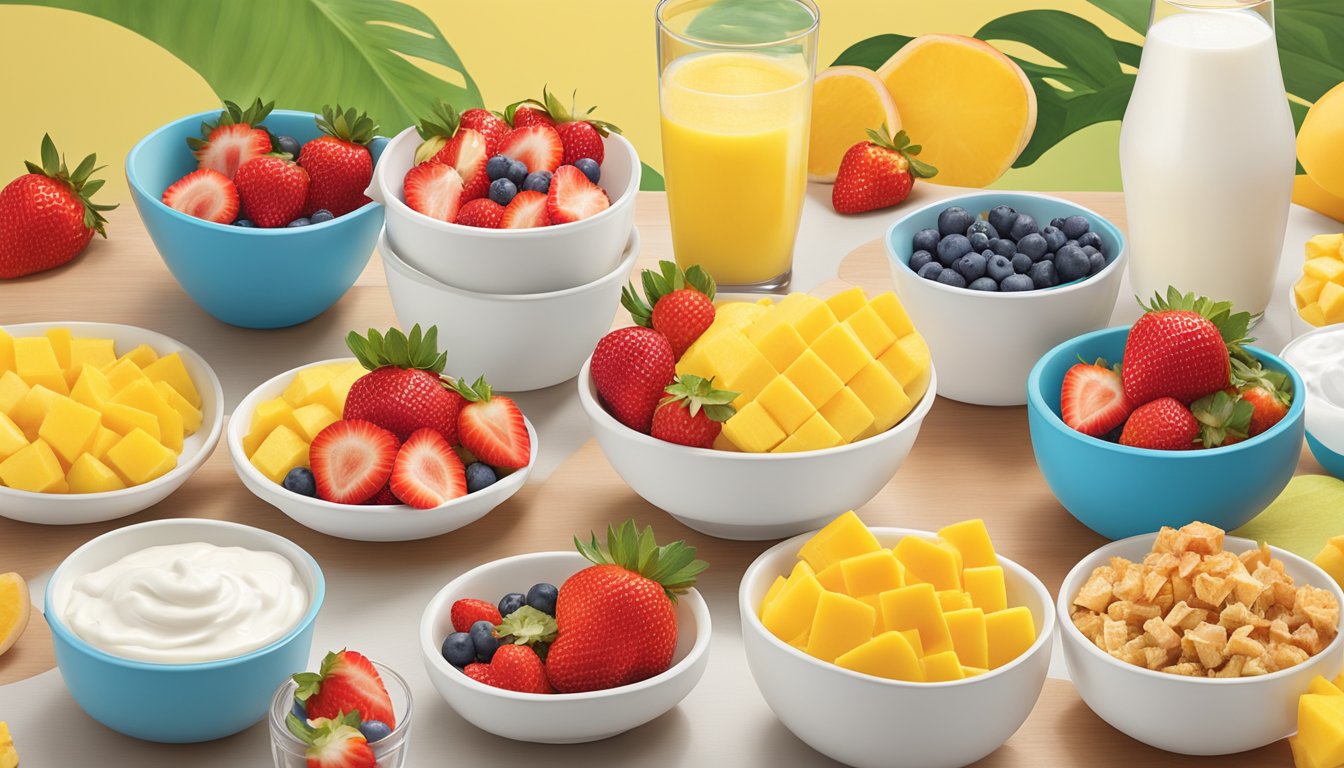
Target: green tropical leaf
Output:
[(1131, 13), (1311, 45), (302, 54), (651, 180), (750, 21)]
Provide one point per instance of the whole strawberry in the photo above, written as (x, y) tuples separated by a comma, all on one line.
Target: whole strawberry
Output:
[(271, 190), (334, 742), (615, 619), (581, 135), (403, 390), (878, 173), (347, 682), (1270, 394), (693, 412), (1167, 424), (449, 142), (1181, 348), (338, 162), (631, 367), (518, 668), (47, 215), (236, 137), (527, 112), (679, 305), (469, 610)]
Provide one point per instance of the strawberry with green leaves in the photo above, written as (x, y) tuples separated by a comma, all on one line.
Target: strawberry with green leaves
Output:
[(878, 173), (334, 742), (580, 133), (464, 149), (693, 412), (271, 190), (631, 368), (347, 683), (404, 390), (1167, 424), (492, 427), (1270, 394), (338, 162), (679, 305), (235, 137), (1182, 348)]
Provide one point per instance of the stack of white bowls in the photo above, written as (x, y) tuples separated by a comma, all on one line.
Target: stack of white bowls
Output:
[(523, 307)]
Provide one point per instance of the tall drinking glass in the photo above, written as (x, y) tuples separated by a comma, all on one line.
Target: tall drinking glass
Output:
[(735, 88)]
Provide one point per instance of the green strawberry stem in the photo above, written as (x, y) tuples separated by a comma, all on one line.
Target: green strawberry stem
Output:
[(699, 395), (377, 350), (672, 565), (479, 391), (527, 626), (232, 114), (436, 130), (1276, 383), (901, 145), (349, 125), (53, 166), (1221, 416), (657, 284), (1231, 326), (310, 735), (559, 112)]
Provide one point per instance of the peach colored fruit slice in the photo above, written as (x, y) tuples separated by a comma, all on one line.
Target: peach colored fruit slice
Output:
[(1320, 142), (14, 607), (846, 102), (971, 107), (1309, 194)]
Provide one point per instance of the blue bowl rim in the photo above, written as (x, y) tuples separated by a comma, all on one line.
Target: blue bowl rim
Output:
[(1120, 253), (1036, 402), (156, 200), (59, 628)]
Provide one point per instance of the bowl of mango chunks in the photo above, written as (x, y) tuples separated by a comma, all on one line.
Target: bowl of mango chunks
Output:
[(99, 421), (874, 642)]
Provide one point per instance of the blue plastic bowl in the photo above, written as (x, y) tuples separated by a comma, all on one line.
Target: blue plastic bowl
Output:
[(179, 703), (1119, 491), (250, 277)]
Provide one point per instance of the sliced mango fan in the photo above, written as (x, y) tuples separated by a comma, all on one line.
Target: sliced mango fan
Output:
[(672, 565)]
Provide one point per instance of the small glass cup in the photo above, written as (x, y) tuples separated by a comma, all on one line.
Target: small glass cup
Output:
[(390, 751)]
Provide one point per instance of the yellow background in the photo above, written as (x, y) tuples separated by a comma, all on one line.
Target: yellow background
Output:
[(97, 87)]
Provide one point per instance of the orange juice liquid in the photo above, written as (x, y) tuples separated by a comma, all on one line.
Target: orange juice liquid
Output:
[(735, 161)]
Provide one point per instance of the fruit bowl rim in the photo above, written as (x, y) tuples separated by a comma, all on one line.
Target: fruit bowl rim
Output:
[(1036, 402), (441, 601)]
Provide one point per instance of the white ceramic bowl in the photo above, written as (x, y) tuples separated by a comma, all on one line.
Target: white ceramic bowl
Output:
[(362, 522), (566, 718), (869, 721), (520, 342), (81, 508), (1191, 716), (509, 261), (752, 496), (985, 343)]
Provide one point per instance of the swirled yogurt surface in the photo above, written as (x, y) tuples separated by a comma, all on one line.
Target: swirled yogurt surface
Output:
[(1319, 359), (186, 603)]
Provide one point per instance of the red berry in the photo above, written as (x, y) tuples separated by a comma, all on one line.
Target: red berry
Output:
[(469, 610)]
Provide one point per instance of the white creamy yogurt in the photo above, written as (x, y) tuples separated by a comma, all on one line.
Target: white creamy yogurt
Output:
[(1319, 359), (187, 603)]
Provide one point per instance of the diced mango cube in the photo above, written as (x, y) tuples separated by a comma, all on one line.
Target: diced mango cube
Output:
[(172, 371), (871, 331), (92, 387), (143, 395), (752, 430), (1320, 728), (814, 378), (971, 539), (928, 561), (29, 412), (122, 373), (749, 381), (123, 419), (790, 613), (1300, 757), (191, 416), (847, 302), (281, 451), (737, 315), (832, 577), (882, 394), (87, 351), (840, 624), (89, 475), (334, 393), (841, 351), (12, 390), (268, 415), (1331, 559), (814, 435), (1312, 314), (814, 321), (1330, 246), (908, 361), (911, 635), (12, 438), (780, 345), (306, 383), (893, 314), (35, 362), (772, 592), (728, 353), (915, 606), (785, 404), (969, 637), (1323, 687), (312, 419), (986, 587), (1332, 302), (786, 312), (871, 573), (142, 356), (1331, 270), (59, 339), (888, 655), (6, 351), (171, 431), (1011, 633), (844, 537), (69, 428), (1307, 289), (139, 458), (953, 600), (847, 415), (103, 441), (942, 667), (33, 468)]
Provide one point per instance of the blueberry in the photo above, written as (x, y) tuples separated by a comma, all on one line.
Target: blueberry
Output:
[(951, 248), (999, 267), (374, 730), (483, 640), (517, 172), (458, 649), (502, 191), (1090, 239), (918, 259), (479, 476), (980, 225), (925, 240), (931, 270), (1003, 246), (1013, 283), (288, 144), (1001, 216), (1071, 263), (298, 710), (984, 284), (1075, 227), (300, 481), (538, 181), (497, 167), (979, 241), (1054, 238), (321, 215), (542, 597), (971, 266), (1043, 274), (1057, 222), (244, 223), (1069, 242), (1023, 225), (299, 222), (1021, 263), (512, 602), (1033, 245), (1096, 263), (954, 221), (589, 167), (1089, 250), (951, 277)]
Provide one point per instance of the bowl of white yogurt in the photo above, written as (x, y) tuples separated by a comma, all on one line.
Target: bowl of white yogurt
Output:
[(179, 630), (1318, 357)]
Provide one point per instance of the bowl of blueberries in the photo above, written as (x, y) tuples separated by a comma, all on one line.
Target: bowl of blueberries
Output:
[(995, 279)]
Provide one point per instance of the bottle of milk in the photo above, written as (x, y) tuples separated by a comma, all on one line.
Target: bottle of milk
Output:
[(1207, 153)]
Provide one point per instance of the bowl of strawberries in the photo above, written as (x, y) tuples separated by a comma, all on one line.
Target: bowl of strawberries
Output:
[(382, 447), (260, 214), (620, 641), (535, 199), (1173, 420)]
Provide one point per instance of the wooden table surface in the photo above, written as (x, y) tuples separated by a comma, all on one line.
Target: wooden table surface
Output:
[(122, 280)]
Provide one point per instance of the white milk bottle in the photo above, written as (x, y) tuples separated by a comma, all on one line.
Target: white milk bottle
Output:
[(1207, 153)]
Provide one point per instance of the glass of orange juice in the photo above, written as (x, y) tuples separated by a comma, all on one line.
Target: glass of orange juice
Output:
[(735, 93)]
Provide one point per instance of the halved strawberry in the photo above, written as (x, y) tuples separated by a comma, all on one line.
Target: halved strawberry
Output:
[(206, 194), (235, 138), (1092, 399), (427, 472), (482, 212), (333, 742), (435, 190), (352, 460), (492, 427), (346, 682), (537, 146), (467, 151), (573, 197), (527, 209)]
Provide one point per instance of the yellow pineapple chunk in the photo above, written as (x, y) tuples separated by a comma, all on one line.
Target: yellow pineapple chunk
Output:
[(969, 637), (814, 435), (814, 378), (122, 373), (971, 539), (942, 667), (124, 419), (172, 371), (29, 412), (752, 430), (280, 452), (312, 419), (338, 388), (927, 561), (1011, 633), (844, 537), (790, 613), (89, 475), (12, 390), (35, 362), (785, 404), (103, 441), (60, 346), (847, 302), (986, 587), (142, 356), (33, 468), (1320, 729), (268, 415), (870, 573), (69, 428), (915, 606), (92, 387), (305, 384), (139, 458), (12, 438), (847, 415), (888, 655), (840, 624), (191, 416), (85, 351)]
